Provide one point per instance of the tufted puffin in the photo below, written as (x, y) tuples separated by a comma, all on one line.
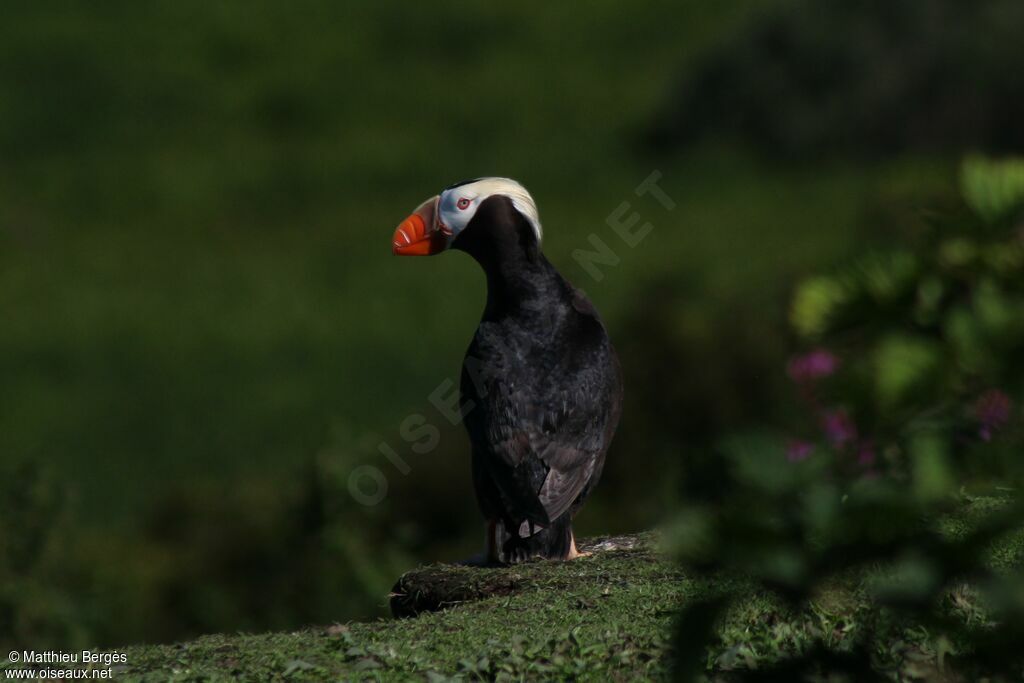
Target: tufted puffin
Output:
[(541, 387)]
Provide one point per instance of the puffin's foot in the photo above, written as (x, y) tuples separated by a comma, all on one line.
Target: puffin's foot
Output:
[(492, 552), (574, 552), (517, 552)]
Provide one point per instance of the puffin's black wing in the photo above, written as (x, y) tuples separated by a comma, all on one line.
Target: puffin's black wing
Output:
[(540, 417)]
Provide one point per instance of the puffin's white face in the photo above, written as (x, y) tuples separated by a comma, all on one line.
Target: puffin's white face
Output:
[(439, 220)]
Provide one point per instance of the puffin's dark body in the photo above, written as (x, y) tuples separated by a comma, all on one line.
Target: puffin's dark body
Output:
[(541, 390)]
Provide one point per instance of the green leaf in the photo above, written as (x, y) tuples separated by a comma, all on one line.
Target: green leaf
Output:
[(958, 253), (929, 299), (815, 303), (996, 313), (902, 364), (932, 474), (964, 333), (886, 277), (993, 189), (296, 665)]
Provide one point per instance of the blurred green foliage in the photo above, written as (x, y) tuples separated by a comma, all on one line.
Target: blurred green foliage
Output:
[(858, 78), (34, 604), (912, 387), (993, 188)]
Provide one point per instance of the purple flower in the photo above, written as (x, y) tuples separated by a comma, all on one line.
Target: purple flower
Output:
[(811, 366), (838, 427), (992, 411), (797, 451)]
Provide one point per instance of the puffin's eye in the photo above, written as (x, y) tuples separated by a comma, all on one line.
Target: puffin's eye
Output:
[(463, 204)]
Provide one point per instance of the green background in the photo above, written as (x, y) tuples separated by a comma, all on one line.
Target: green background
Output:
[(203, 331)]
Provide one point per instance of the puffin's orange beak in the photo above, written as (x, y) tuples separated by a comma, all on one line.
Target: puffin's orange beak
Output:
[(419, 234)]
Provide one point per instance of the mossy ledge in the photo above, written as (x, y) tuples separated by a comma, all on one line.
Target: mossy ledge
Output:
[(440, 586), (603, 617), (609, 616)]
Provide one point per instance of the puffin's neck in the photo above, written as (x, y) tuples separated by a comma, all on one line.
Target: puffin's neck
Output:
[(518, 280), (519, 277), (502, 241)]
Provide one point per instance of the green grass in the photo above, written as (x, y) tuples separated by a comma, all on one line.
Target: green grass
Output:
[(598, 618), (605, 617)]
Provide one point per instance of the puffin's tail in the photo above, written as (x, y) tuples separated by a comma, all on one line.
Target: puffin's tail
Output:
[(550, 543)]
